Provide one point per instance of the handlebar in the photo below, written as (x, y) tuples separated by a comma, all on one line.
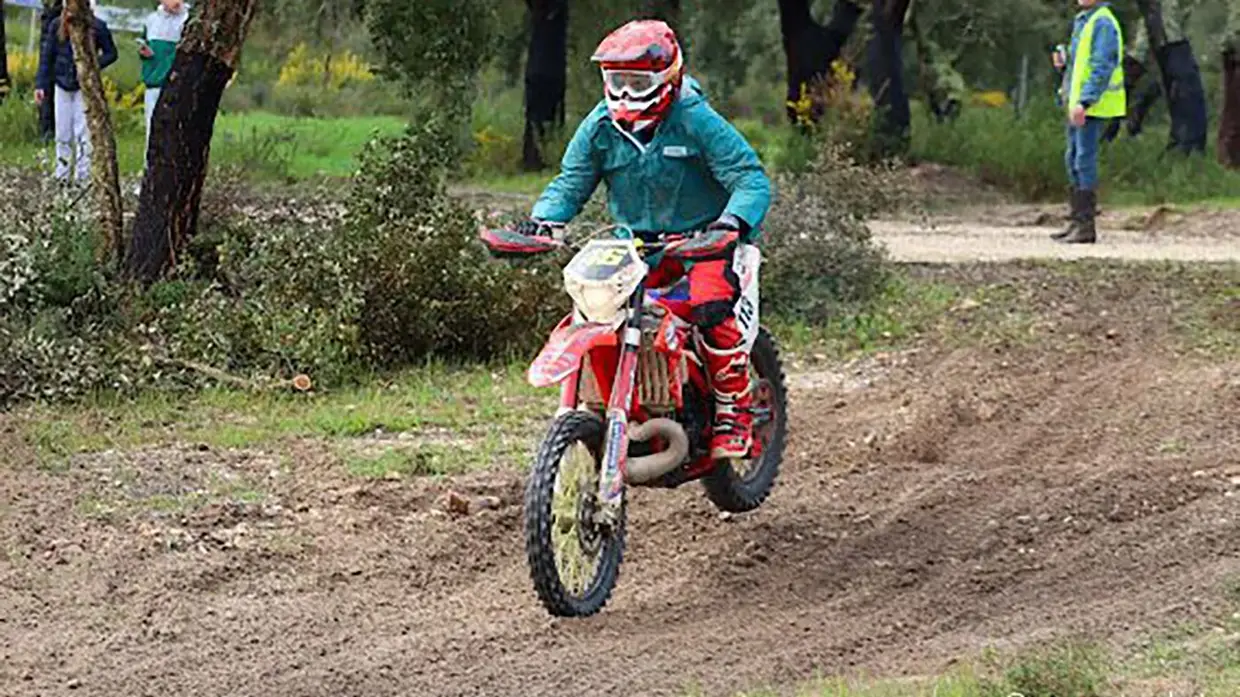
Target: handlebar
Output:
[(686, 245)]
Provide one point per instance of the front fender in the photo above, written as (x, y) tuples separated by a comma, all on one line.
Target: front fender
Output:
[(565, 349)]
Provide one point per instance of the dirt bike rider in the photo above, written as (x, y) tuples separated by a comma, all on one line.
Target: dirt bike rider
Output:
[(672, 164)]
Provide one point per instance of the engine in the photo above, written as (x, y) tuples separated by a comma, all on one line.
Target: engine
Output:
[(655, 375)]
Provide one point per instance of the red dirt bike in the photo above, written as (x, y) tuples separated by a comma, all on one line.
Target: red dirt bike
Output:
[(635, 406)]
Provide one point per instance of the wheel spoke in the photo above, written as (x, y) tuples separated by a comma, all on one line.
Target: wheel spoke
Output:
[(575, 479)]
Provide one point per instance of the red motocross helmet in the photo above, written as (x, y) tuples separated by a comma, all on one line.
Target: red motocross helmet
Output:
[(643, 68)]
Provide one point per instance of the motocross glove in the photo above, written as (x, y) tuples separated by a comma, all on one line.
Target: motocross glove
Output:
[(535, 227), (727, 221)]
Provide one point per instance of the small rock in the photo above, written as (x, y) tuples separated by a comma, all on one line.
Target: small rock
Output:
[(488, 503), (840, 403), (1111, 333), (1235, 481), (457, 504), (203, 447), (725, 516), (1199, 474), (73, 684), (393, 476), (1023, 519)]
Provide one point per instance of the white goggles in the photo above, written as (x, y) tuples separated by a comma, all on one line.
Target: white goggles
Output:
[(634, 84)]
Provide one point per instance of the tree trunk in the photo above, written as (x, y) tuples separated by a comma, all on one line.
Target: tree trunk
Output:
[(1229, 118), (886, 80), (810, 47), (104, 175), (666, 10), (1181, 76), (545, 76), (5, 84), (181, 130)]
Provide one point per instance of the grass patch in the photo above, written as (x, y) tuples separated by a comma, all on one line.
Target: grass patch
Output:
[(1196, 659), (912, 309), (418, 461), (476, 399), (1213, 324), (269, 146), (1024, 155), (1198, 663)]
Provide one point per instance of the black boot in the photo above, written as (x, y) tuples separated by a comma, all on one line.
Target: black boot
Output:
[(1074, 217), (1085, 233)]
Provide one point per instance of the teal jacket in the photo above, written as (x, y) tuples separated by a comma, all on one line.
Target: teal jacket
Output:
[(697, 167)]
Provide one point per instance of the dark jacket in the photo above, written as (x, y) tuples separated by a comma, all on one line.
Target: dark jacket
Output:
[(56, 57)]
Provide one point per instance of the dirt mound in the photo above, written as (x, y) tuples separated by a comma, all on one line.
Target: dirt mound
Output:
[(952, 499)]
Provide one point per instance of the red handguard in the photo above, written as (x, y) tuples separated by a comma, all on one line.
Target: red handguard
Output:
[(509, 243), (712, 244)]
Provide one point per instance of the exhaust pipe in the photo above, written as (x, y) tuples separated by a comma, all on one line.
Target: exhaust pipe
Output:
[(640, 470)]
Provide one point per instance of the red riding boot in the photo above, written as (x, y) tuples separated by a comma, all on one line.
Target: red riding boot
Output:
[(728, 368)]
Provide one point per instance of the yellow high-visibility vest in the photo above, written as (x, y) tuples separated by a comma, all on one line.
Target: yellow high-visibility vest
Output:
[(1114, 102)]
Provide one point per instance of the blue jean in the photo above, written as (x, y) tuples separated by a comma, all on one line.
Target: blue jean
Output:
[(1081, 157)]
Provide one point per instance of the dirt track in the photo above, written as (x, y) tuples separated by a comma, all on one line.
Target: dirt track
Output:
[(951, 499), (971, 241)]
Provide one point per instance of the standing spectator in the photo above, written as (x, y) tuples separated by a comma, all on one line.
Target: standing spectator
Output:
[(56, 69), (1092, 92), (160, 35), (47, 113)]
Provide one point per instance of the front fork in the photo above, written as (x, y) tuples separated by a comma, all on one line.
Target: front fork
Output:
[(616, 443)]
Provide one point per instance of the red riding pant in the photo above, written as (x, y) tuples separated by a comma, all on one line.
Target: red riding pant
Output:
[(712, 292)]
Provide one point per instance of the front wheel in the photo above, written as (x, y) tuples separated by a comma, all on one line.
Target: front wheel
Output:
[(574, 561), (738, 486)]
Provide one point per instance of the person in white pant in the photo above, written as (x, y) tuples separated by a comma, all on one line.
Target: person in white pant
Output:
[(157, 49), (56, 70)]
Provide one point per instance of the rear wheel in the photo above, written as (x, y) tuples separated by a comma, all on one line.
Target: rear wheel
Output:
[(574, 561), (738, 486)]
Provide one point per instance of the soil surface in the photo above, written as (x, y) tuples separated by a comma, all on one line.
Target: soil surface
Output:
[(978, 241), (932, 503)]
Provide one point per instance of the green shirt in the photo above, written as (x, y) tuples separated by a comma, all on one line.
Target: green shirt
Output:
[(161, 32)]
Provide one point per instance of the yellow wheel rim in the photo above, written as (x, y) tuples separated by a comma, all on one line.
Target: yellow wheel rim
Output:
[(576, 561)]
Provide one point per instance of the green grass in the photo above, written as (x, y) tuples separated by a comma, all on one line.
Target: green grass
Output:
[(471, 401), (1025, 156), (912, 308), (1194, 661), (309, 147), (268, 146), (423, 461)]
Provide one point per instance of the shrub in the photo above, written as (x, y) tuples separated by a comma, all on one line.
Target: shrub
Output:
[(428, 284), (398, 278), (59, 323), (1063, 669), (269, 291), (822, 260), (325, 71), (1024, 155), (19, 120)]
